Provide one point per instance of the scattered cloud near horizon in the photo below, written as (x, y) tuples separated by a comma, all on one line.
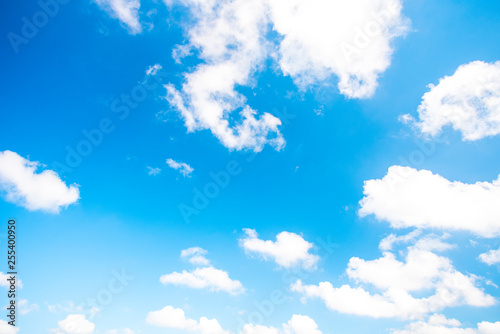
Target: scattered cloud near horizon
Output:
[(398, 282)]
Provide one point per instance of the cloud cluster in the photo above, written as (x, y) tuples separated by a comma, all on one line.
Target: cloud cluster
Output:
[(407, 197), (22, 185), (289, 249), (317, 40), (430, 277), (171, 317), (206, 277), (75, 324), (469, 101), (492, 257), (439, 324), (127, 11)]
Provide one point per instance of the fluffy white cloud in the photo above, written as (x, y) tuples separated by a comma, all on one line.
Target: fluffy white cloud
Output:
[(299, 324), (195, 255), (5, 328), (6, 284), (492, 257), (438, 324), (230, 37), (407, 197), (182, 167), (75, 324), (170, 317), (22, 185), (423, 273), (469, 101), (127, 11), (349, 39), (317, 40), (289, 249), (206, 277)]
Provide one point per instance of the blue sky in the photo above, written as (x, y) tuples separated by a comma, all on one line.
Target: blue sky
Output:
[(300, 172)]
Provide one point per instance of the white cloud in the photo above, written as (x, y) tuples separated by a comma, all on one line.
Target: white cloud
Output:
[(349, 39), (195, 255), (431, 277), (387, 243), (153, 171), (170, 317), (492, 257), (5, 328), (123, 331), (206, 277), (127, 11), (26, 307), (289, 249), (299, 324), (438, 324), (4, 283), (469, 101), (317, 40), (152, 70), (23, 186), (182, 167), (75, 324), (181, 51), (407, 197), (230, 38)]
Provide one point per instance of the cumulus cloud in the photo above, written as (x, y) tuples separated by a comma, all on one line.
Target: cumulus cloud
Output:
[(492, 257), (127, 11), (5, 328), (348, 39), (75, 324), (289, 249), (469, 101), (182, 167), (423, 283), (195, 255), (22, 185), (439, 324), (317, 41), (205, 277), (4, 283), (407, 197), (299, 324), (171, 317)]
